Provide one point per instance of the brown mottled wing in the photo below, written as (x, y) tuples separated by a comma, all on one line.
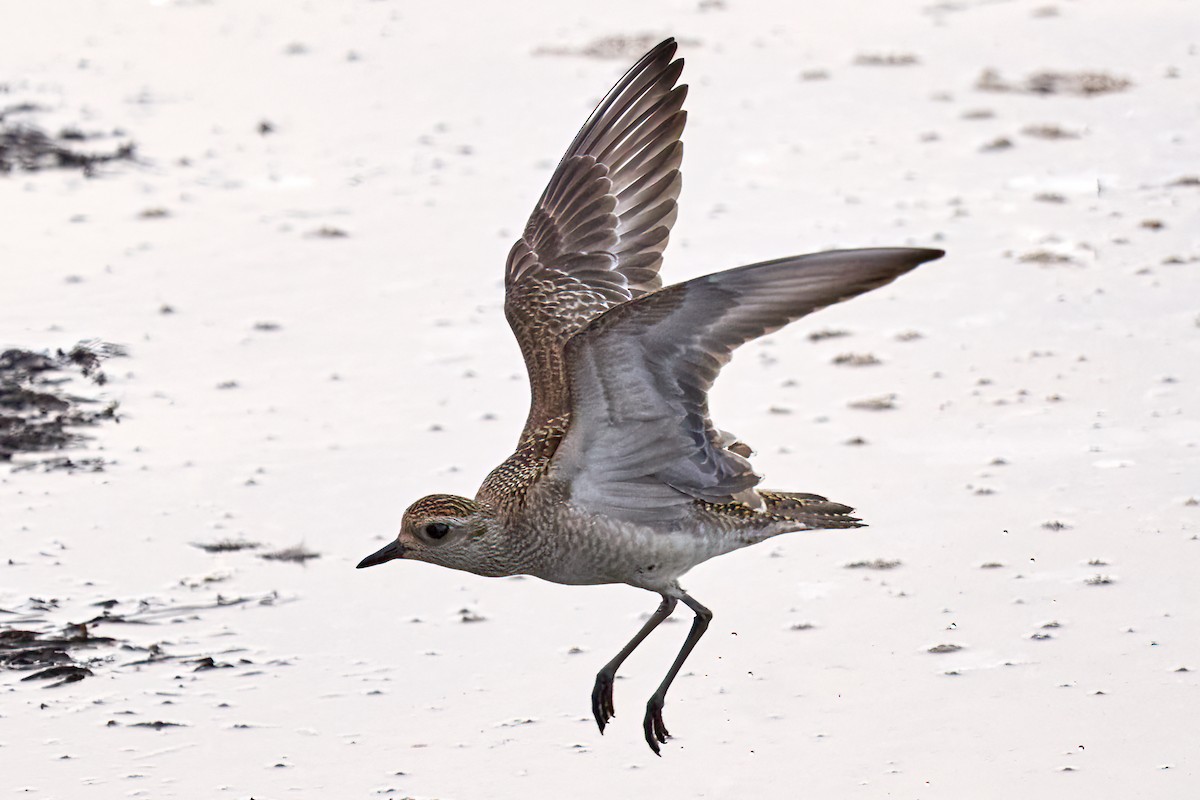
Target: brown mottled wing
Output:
[(597, 234), (641, 445)]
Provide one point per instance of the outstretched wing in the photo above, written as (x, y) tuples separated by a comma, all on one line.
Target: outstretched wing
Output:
[(641, 445), (596, 237)]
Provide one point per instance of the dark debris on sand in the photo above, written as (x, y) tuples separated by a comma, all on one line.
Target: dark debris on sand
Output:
[(877, 563), (37, 415), (26, 146), (1047, 82), (49, 655), (225, 545), (608, 47), (296, 555), (55, 654), (61, 675)]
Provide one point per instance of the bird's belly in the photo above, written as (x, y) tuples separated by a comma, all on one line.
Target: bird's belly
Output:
[(610, 551)]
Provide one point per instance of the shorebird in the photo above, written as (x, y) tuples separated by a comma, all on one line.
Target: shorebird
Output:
[(620, 475)]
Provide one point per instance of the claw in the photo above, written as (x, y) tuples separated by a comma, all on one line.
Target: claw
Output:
[(602, 700), (652, 724)]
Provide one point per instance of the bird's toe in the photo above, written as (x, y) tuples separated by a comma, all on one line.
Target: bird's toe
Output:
[(602, 700), (652, 724)]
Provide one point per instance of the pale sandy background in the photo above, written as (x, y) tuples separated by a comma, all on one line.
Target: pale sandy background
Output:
[(425, 132)]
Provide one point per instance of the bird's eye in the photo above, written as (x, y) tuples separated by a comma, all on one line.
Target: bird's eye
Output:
[(436, 530)]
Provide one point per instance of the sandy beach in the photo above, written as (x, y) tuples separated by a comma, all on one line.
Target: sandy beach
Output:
[(298, 256)]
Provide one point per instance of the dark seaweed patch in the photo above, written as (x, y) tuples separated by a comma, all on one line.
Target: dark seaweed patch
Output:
[(58, 654), (621, 46), (37, 414), (1047, 82), (26, 146), (225, 545), (60, 675), (297, 554)]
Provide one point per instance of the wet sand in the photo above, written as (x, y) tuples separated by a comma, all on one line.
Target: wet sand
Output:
[(303, 264)]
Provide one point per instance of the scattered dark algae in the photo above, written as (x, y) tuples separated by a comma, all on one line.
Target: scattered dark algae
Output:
[(878, 563), (38, 415), (65, 674), (54, 654), (226, 545), (297, 554), (1048, 82), (26, 146)]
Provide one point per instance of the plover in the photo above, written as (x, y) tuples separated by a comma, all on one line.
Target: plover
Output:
[(620, 475)]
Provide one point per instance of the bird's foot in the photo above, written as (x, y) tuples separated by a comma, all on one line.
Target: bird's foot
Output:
[(602, 698), (656, 731)]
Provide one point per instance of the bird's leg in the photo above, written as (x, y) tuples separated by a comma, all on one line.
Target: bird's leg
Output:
[(602, 692), (656, 731)]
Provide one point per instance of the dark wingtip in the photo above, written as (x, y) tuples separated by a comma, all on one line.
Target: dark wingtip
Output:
[(666, 49), (663, 50), (913, 257), (903, 259)]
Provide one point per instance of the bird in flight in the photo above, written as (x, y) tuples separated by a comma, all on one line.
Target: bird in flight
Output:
[(620, 475)]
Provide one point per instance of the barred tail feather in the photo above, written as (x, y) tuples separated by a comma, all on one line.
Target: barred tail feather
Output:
[(811, 510)]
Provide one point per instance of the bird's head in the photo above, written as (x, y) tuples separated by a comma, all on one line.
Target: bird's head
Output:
[(443, 529)]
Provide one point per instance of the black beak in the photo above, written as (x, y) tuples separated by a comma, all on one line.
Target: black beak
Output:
[(383, 554)]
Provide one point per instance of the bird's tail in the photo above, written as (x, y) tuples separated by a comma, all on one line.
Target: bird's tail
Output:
[(812, 510)]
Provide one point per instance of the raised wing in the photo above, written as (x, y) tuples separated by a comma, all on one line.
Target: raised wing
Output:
[(641, 445), (597, 235)]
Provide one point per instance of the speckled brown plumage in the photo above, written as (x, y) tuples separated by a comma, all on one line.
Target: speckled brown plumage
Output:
[(506, 486), (811, 510), (447, 505), (596, 237)]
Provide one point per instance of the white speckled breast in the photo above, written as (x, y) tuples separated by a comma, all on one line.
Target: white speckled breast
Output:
[(581, 548)]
